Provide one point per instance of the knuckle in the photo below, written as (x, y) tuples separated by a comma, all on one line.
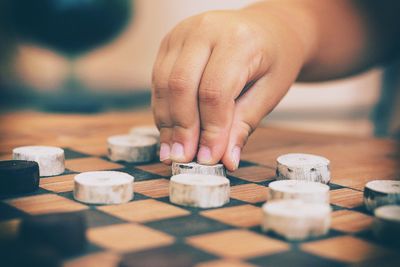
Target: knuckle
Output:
[(160, 88), (242, 32), (210, 96), (211, 132), (207, 19), (162, 123), (178, 84)]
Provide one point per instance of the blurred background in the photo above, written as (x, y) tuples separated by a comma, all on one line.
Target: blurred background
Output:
[(96, 55)]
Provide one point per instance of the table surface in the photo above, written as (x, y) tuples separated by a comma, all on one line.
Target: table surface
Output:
[(151, 231)]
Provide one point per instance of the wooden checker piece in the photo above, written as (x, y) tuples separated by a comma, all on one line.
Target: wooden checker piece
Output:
[(146, 130), (50, 159), (295, 219), (381, 192), (298, 189), (131, 148), (305, 167), (18, 177), (198, 190), (386, 226), (103, 187), (196, 168)]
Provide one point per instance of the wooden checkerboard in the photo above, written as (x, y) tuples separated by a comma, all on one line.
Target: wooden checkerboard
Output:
[(151, 231)]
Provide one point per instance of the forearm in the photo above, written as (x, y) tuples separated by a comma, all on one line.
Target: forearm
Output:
[(339, 37)]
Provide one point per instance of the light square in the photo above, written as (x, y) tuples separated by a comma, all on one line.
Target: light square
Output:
[(346, 197), (224, 263), (90, 164), (153, 188), (63, 183), (237, 244), (239, 216), (345, 248), (144, 211), (254, 174), (92, 149), (99, 259), (46, 203), (251, 193), (128, 237), (350, 221), (157, 168)]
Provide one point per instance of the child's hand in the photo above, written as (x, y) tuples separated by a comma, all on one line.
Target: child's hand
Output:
[(203, 65)]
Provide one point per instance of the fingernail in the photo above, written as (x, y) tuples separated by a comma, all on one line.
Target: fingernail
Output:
[(164, 151), (204, 155), (177, 151), (236, 156)]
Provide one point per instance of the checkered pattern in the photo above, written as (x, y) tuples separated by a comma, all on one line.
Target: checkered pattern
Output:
[(150, 230)]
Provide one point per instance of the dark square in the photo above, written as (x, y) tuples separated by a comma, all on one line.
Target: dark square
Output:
[(333, 186), (245, 163), (96, 218), (369, 236), (362, 209), (188, 225), (233, 202), (177, 255), (140, 175), (8, 212), (70, 195), (236, 181), (66, 171), (72, 154), (336, 207), (330, 234), (130, 165), (294, 257), (37, 192)]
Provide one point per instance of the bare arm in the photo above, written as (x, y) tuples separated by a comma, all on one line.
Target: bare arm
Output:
[(342, 37)]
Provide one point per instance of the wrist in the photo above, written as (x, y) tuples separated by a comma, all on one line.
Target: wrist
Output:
[(297, 19)]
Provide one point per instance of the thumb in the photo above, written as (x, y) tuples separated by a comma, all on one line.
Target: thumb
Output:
[(250, 108)]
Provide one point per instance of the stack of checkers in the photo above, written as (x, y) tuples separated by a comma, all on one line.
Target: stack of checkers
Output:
[(196, 185), (298, 204), (382, 198), (113, 187)]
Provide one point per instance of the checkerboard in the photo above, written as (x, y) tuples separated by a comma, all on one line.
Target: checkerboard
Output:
[(150, 231)]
